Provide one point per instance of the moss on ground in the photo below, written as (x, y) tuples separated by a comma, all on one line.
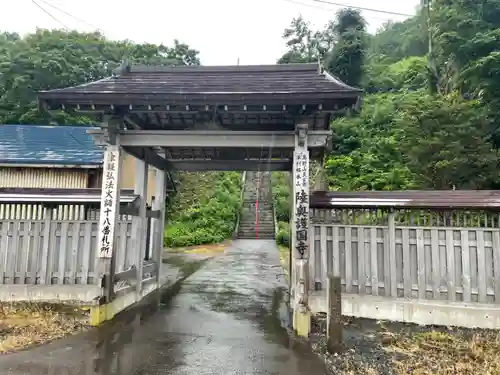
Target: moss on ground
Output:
[(185, 264), (204, 210)]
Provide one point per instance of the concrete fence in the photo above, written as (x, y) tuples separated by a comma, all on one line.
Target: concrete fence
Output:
[(409, 265), (38, 252)]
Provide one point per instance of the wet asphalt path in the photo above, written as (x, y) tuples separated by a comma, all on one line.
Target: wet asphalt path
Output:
[(226, 320)]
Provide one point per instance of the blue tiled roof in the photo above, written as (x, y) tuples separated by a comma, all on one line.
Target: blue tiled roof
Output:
[(40, 144)]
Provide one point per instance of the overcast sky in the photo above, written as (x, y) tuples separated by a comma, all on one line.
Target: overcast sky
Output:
[(222, 30)]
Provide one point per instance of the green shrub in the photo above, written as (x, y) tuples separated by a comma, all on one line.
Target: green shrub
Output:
[(205, 209), (283, 235), (282, 205)]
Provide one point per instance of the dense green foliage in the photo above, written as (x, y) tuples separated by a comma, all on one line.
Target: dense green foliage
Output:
[(412, 140), (55, 59), (205, 209), (341, 45), (407, 136), (282, 199)]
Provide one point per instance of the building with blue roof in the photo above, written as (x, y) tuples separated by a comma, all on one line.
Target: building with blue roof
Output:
[(44, 156), (49, 146), (51, 156)]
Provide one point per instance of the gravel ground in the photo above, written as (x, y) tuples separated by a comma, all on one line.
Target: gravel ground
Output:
[(380, 348), (362, 352)]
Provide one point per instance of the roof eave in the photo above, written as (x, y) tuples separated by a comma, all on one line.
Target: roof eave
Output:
[(207, 97), (41, 164)]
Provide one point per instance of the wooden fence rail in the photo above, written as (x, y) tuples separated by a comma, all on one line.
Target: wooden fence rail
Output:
[(56, 252), (417, 262)]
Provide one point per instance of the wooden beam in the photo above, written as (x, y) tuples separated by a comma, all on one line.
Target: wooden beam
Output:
[(149, 156), (230, 165), (214, 138)]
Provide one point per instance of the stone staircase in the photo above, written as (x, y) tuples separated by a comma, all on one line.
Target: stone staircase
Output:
[(248, 227)]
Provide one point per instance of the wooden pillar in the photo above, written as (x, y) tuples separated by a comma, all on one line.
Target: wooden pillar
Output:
[(321, 183), (47, 230), (152, 228), (109, 214), (300, 228), (139, 222), (159, 224), (334, 314)]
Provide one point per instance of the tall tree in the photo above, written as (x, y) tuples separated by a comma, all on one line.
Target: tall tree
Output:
[(304, 45), (347, 58), (399, 40), (466, 36), (341, 44), (50, 59)]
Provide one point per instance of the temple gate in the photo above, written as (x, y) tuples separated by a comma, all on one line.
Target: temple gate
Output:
[(199, 118)]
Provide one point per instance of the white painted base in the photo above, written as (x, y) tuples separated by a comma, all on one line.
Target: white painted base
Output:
[(423, 312), (79, 294), (128, 299)]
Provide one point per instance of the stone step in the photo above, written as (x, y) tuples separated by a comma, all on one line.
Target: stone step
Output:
[(254, 234), (261, 214), (252, 204), (254, 227), (267, 208), (269, 226), (253, 220), (250, 237), (257, 187), (262, 224), (255, 231), (253, 223), (253, 216)]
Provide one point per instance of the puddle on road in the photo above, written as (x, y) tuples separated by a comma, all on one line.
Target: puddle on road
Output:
[(162, 335)]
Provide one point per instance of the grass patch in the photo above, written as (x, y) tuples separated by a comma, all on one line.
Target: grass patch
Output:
[(285, 258), (205, 209), (454, 352), (380, 348), (26, 324)]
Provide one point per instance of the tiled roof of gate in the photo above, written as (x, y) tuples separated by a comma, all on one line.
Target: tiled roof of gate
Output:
[(286, 80), (407, 199), (51, 145)]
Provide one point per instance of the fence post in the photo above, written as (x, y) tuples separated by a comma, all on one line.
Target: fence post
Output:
[(45, 267), (392, 254), (334, 314)]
